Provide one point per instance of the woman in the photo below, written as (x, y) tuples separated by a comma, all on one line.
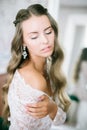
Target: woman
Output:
[(35, 87)]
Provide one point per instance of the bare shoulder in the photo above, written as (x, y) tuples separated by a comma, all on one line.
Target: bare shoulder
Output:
[(34, 79)]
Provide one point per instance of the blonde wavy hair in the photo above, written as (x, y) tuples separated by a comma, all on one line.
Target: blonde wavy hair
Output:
[(55, 73)]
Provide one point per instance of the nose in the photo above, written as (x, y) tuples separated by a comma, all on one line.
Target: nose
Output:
[(44, 39)]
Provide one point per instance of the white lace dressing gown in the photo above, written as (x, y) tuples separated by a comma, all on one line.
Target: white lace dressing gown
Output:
[(21, 94)]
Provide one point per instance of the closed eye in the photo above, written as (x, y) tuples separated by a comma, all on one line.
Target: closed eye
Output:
[(33, 37), (48, 32)]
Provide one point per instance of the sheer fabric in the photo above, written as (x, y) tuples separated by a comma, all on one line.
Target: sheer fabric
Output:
[(21, 94)]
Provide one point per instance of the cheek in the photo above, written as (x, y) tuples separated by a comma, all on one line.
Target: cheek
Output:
[(52, 37), (30, 44), (33, 47), (52, 41)]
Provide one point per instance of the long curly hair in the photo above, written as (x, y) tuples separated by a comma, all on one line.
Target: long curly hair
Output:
[(55, 72)]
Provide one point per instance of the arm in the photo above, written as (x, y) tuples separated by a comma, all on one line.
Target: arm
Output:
[(60, 117), (56, 114), (44, 107)]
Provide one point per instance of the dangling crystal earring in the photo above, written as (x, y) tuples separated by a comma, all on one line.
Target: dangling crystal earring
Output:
[(24, 53)]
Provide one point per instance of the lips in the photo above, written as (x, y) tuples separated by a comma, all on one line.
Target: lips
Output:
[(46, 48)]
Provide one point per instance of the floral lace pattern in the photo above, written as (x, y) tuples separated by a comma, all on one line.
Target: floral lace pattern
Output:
[(21, 94)]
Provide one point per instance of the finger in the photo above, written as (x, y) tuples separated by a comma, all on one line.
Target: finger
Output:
[(37, 115), (35, 109), (41, 109), (33, 105), (43, 97), (36, 105)]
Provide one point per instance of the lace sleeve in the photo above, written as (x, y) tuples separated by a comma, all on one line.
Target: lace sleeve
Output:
[(60, 117)]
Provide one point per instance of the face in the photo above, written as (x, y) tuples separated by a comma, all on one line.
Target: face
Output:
[(38, 36), (84, 68)]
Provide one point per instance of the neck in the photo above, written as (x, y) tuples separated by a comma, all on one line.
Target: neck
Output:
[(39, 64)]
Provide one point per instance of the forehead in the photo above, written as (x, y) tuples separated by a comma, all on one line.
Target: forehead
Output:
[(36, 23)]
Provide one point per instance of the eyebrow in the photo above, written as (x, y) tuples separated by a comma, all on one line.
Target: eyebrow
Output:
[(47, 28), (37, 32)]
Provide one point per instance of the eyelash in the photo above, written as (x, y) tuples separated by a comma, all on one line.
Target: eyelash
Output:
[(49, 33), (45, 33), (33, 38)]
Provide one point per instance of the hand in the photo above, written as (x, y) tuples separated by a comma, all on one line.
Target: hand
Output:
[(42, 108)]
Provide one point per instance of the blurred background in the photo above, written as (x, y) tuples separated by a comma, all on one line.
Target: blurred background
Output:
[(71, 16)]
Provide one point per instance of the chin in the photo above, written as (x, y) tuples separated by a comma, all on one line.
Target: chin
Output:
[(47, 55)]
